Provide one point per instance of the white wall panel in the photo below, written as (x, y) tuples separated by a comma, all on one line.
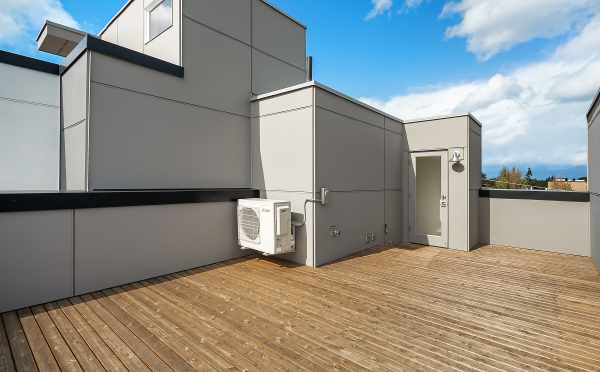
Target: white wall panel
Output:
[(438, 134), (282, 151), (29, 85), (131, 27), (37, 258), (304, 254), (285, 102), (29, 146)]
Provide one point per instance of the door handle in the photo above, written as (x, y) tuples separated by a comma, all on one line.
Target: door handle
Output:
[(443, 202)]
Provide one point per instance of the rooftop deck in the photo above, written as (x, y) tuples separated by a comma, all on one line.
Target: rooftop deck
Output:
[(496, 308)]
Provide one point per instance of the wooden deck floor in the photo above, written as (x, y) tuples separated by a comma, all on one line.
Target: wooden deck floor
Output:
[(414, 308)]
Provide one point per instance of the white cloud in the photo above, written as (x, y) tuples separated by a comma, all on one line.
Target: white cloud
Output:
[(534, 114), (492, 26), (20, 20), (379, 7)]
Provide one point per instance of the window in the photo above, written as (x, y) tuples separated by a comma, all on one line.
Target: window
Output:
[(160, 18)]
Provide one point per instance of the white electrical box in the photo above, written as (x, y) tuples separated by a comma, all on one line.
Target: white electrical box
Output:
[(266, 226)]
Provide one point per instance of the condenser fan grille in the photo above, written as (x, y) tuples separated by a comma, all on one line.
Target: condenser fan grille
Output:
[(250, 224)]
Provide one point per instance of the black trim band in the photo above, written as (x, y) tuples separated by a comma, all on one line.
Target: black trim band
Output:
[(28, 62), (94, 44), (20, 202), (567, 196)]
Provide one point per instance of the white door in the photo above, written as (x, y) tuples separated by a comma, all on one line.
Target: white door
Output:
[(428, 198)]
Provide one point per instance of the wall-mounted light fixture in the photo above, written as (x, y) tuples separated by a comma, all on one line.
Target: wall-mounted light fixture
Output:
[(456, 157)]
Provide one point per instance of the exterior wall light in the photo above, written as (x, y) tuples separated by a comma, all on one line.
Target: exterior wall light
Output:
[(456, 157)]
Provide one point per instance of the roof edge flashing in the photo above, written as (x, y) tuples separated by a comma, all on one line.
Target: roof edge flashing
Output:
[(441, 117), (325, 88)]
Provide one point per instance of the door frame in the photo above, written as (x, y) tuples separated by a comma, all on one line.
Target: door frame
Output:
[(427, 239)]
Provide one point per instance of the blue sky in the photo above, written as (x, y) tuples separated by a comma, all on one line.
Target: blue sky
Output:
[(527, 69)]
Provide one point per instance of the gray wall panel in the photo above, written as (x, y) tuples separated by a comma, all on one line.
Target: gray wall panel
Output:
[(140, 141), (270, 74), (438, 134), (286, 102), (74, 159), (594, 155), (394, 217), (561, 227), (354, 214), (282, 151), (231, 17), (595, 229), (277, 35), (115, 246), (217, 73), (395, 157), (37, 258), (343, 106), (75, 92), (350, 154)]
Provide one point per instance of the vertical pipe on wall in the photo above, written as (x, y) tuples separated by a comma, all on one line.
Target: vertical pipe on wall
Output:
[(309, 68)]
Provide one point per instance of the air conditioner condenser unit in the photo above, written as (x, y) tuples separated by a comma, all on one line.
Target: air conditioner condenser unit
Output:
[(266, 226)]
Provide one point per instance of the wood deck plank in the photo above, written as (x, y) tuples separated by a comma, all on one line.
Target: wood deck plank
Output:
[(6, 359), (39, 347), (82, 352), (22, 355), (138, 346), (60, 349), (161, 349), (105, 355), (125, 354), (411, 308)]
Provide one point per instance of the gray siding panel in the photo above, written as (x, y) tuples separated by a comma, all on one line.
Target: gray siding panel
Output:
[(37, 258), (350, 154), (394, 217), (595, 229), (74, 159), (115, 246), (395, 157), (231, 17), (270, 74), (554, 226), (217, 73), (75, 92), (354, 214), (140, 141), (278, 35)]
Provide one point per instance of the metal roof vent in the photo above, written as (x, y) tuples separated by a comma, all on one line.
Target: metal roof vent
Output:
[(58, 39)]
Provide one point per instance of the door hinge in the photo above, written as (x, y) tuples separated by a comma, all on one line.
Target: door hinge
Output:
[(386, 229)]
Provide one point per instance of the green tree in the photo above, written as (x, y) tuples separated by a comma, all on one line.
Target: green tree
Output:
[(509, 178)]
